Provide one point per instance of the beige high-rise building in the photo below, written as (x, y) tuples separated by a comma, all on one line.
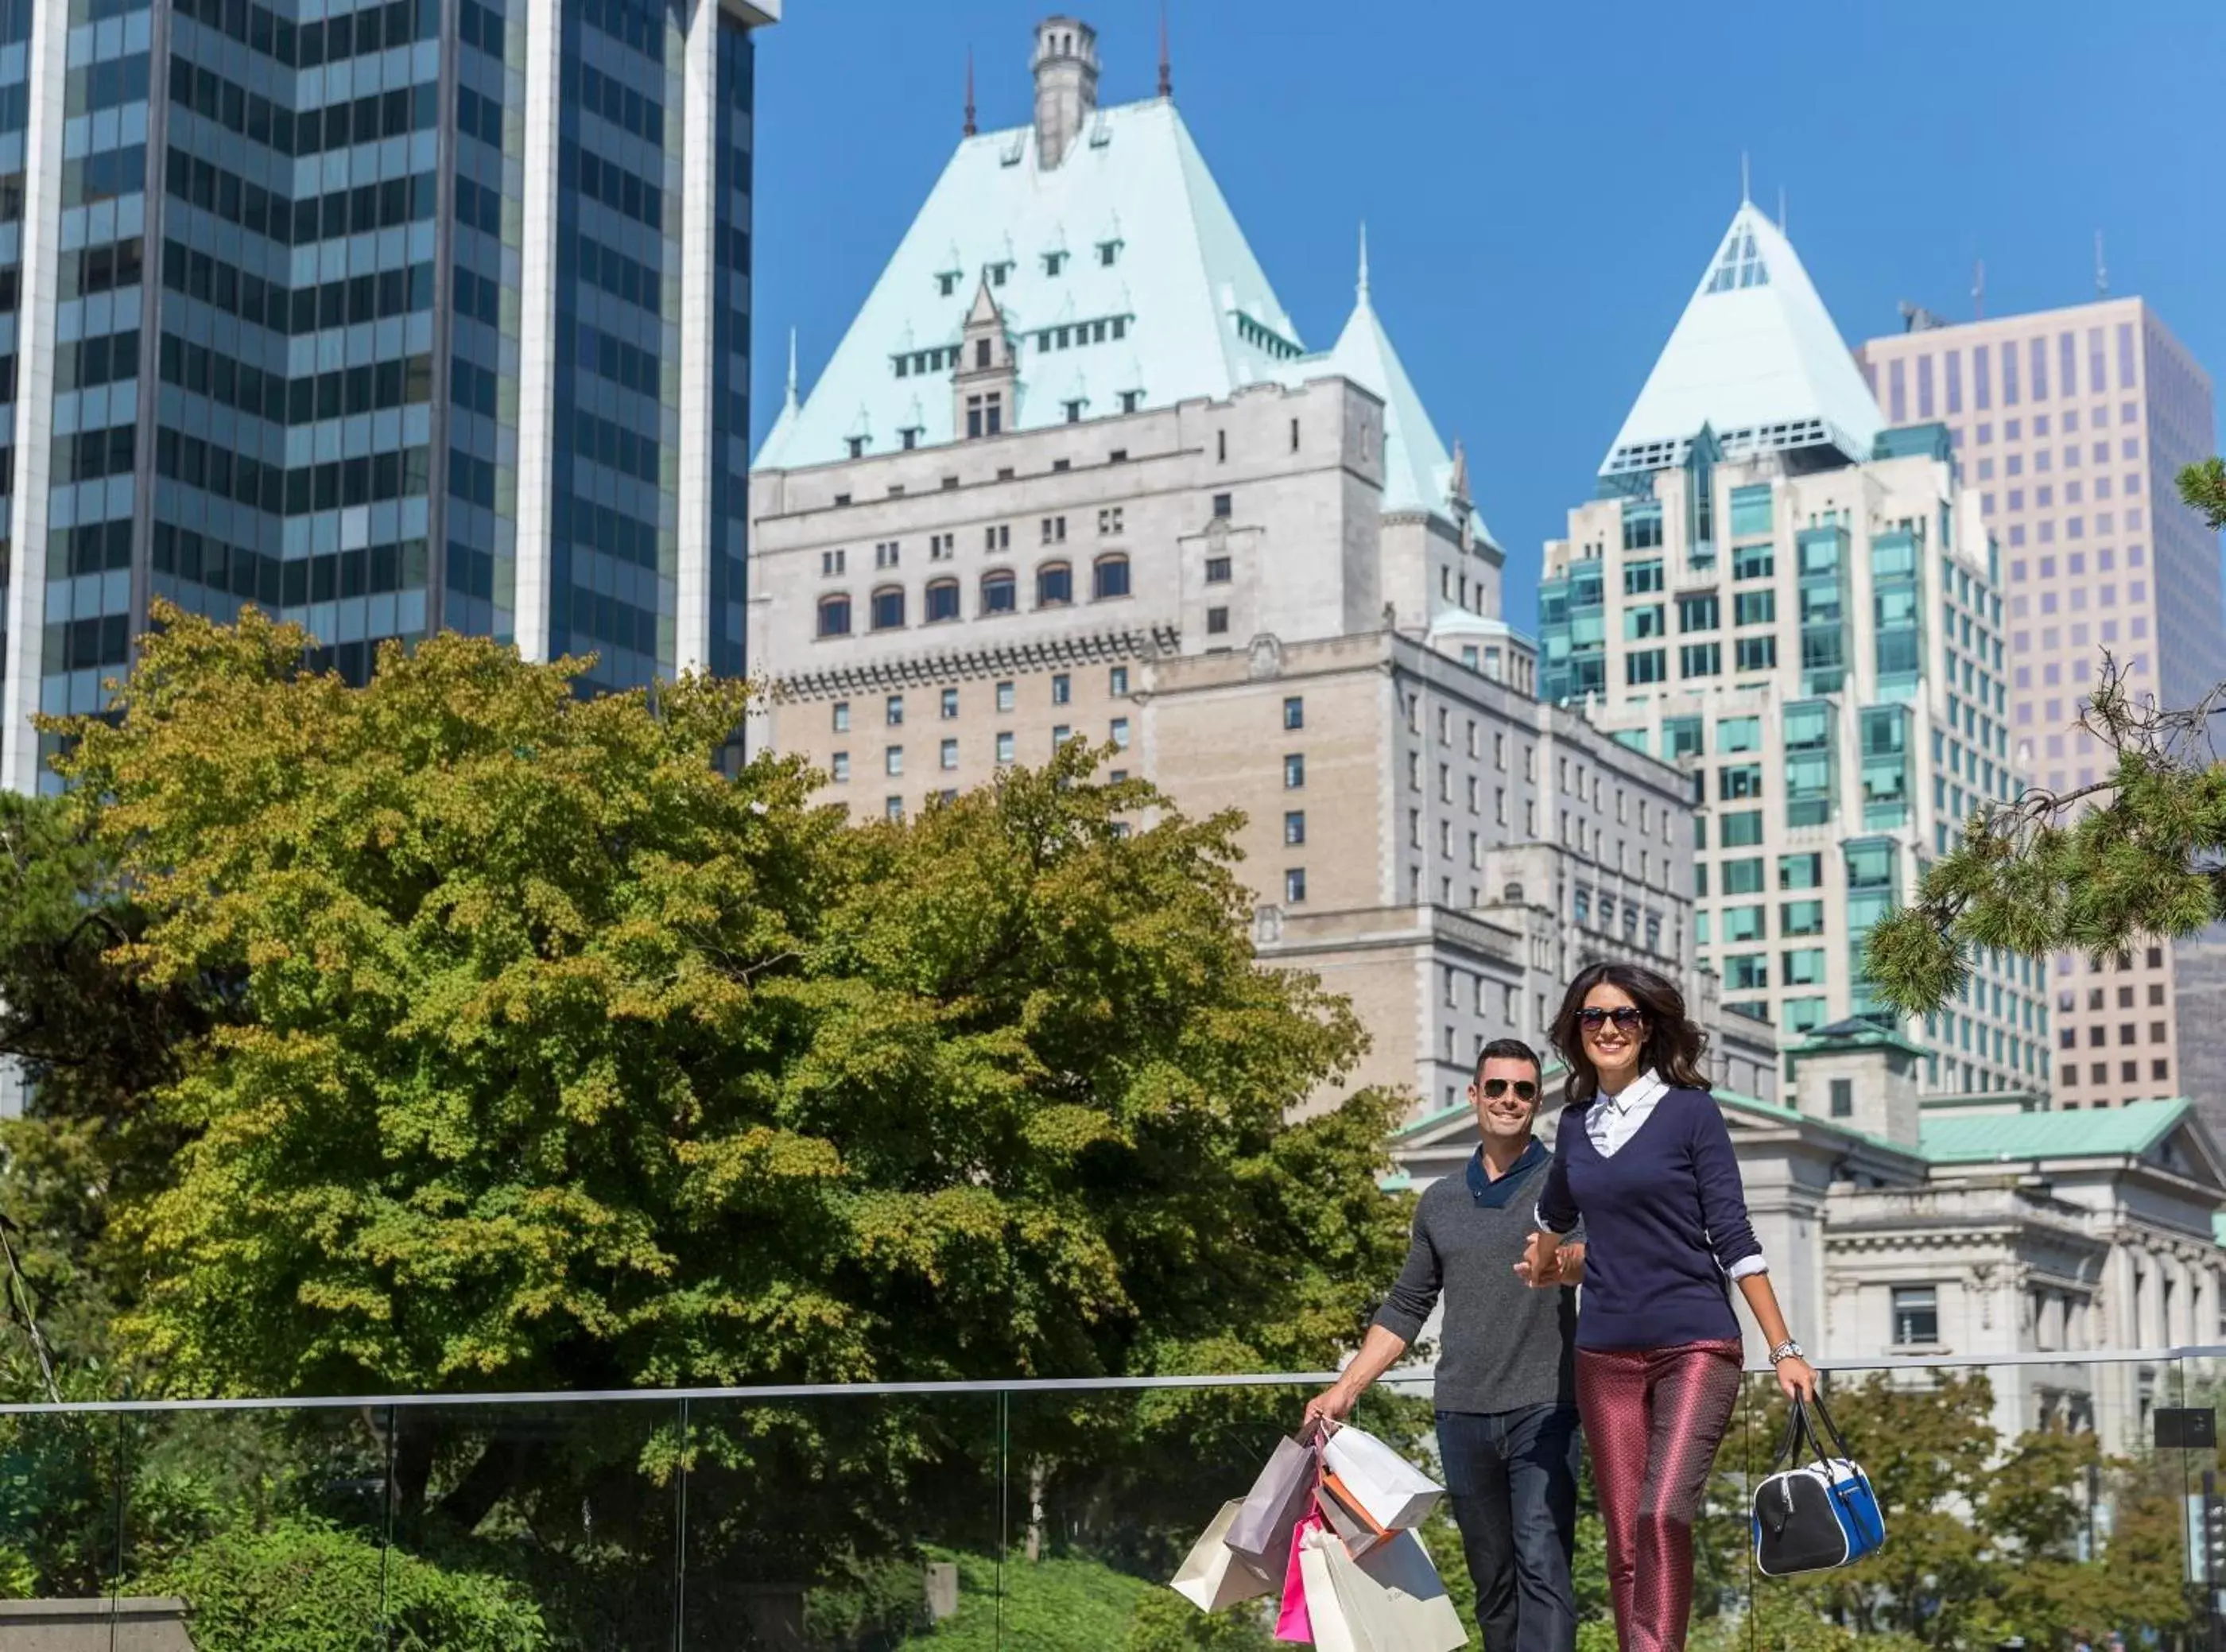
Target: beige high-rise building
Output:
[(2070, 427), (1071, 473)]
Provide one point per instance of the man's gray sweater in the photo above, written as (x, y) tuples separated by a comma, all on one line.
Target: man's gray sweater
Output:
[(1502, 1346)]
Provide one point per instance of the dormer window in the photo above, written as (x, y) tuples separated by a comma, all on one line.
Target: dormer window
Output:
[(1131, 400), (1109, 253), (857, 445), (997, 272), (1053, 262), (1073, 412), (910, 435), (946, 282)]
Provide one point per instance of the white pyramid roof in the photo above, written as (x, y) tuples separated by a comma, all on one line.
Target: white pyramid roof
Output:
[(1200, 318), (1417, 470), (1756, 356)]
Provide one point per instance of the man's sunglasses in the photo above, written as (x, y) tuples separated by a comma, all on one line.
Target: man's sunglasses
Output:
[(1525, 1090), (1625, 1016)]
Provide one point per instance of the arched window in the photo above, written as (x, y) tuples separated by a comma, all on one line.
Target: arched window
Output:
[(942, 600), (1055, 585), (1110, 577), (888, 608), (999, 592), (834, 616)]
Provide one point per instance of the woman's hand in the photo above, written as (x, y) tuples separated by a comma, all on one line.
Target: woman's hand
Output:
[(1796, 1379), (1540, 1267)]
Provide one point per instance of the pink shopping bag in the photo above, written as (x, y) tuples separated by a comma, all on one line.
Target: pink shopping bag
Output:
[(1293, 1623)]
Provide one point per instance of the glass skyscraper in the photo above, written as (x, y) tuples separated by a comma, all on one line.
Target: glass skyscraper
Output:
[(371, 315)]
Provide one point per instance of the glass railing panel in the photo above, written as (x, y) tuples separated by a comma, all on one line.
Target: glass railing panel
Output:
[(60, 1479), (844, 1521)]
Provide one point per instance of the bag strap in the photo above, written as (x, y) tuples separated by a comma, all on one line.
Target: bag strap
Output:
[(1831, 1432), (1796, 1430)]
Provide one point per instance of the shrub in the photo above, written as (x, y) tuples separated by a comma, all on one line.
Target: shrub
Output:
[(304, 1585)]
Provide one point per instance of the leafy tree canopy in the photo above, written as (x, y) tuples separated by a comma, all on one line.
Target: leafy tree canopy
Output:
[(538, 1052)]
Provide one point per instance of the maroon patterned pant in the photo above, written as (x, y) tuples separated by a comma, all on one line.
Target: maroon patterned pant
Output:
[(1653, 1419)]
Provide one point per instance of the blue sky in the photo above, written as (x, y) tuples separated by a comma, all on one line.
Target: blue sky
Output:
[(1542, 185)]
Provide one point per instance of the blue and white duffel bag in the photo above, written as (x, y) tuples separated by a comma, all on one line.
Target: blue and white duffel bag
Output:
[(1815, 1517)]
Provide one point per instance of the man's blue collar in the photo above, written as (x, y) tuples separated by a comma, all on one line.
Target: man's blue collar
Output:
[(1490, 1194)]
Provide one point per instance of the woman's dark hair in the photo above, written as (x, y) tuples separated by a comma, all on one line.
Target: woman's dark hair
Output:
[(1673, 1044)]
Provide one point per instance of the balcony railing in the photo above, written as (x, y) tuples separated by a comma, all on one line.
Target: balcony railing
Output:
[(2042, 1495)]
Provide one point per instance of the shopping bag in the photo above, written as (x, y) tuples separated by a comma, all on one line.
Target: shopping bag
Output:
[(1396, 1493), (1392, 1600), (1212, 1577), (1284, 1492), (1291, 1623), (1815, 1515), (1346, 1517), (1326, 1613)]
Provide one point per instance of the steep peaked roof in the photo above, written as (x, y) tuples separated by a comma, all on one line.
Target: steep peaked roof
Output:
[(1198, 316), (1418, 472), (1755, 355)]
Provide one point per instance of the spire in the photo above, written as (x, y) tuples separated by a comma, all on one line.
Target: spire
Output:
[(1167, 66), (1360, 290), (789, 405), (1457, 486), (969, 129)]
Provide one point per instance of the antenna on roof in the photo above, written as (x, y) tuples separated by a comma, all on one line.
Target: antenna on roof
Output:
[(1167, 66), (2101, 269), (1746, 198), (792, 367), (1361, 290), (1979, 291), (969, 129)]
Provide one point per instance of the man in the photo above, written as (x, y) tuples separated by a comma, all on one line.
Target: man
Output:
[(1506, 1392)]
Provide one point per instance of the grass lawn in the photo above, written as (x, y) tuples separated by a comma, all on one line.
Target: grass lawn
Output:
[(1050, 1605)]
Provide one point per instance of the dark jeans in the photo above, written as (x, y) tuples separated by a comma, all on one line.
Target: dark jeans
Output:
[(1512, 1475)]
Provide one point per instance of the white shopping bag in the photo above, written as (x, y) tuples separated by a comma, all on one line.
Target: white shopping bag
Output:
[(1393, 1599), (1394, 1490), (1332, 1630), (1213, 1576)]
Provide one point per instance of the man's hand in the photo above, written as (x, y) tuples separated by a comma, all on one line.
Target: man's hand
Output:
[(1331, 1407), (1572, 1259), (1540, 1267)]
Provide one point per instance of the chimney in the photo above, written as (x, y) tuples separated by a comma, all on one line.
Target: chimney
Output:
[(1067, 85)]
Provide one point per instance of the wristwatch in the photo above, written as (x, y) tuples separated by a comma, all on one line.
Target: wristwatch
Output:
[(1787, 1350)]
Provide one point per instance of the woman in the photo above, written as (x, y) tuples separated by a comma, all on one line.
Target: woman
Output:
[(1643, 1156)]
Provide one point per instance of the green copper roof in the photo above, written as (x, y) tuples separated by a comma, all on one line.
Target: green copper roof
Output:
[(2101, 1132)]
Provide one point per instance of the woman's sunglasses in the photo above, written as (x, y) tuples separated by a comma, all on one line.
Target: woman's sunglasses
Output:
[(1525, 1090), (1625, 1016)]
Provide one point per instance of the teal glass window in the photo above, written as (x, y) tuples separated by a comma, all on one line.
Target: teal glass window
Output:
[(1640, 578), (1747, 971), (1742, 829), (1739, 733), (1755, 607), (1753, 562), (1801, 1014), (1749, 510), (1700, 659), (1801, 966), (1633, 738), (1870, 864), (1736, 780), (1743, 877), (1698, 612), (1641, 525), (1648, 620), (1801, 918), (1646, 665), (1681, 737), (1744, 924), (1801, 871), (1755, 653), (1807, 725)]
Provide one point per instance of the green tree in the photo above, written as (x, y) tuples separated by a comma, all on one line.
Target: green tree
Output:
[(2140, 852), (540, 1053)]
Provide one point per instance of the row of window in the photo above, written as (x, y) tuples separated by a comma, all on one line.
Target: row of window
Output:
[(348, 210), (1007, 747), (274, 488), (273, 396), (305, 45), (1000, 593), (1007, 696), (293, 133)]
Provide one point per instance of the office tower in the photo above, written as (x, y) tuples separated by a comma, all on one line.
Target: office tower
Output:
[(1796, 600), (373, 315), (1071, 472), (2070, 426)]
